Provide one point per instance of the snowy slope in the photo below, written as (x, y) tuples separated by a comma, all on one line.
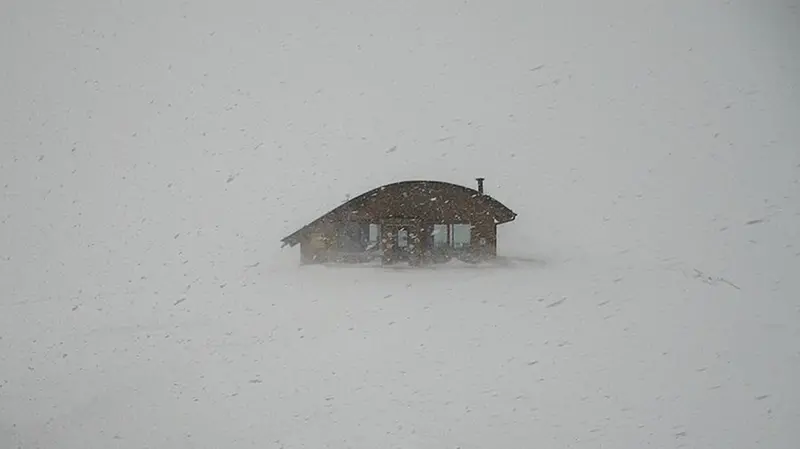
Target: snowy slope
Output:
[(153, 153)]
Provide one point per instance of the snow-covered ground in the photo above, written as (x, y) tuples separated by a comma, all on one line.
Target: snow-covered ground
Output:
[(153, 153)]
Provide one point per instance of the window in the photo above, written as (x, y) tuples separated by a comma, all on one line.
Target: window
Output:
[(402, 238), (452, 236), (440, 236), (374, 232), (462, 234)]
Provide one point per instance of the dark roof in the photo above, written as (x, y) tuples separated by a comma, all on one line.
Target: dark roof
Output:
[(502, 214)]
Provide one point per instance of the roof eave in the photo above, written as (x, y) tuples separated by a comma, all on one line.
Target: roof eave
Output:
[(508, 220), (290, 241)]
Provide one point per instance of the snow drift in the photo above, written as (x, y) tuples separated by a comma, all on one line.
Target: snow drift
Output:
[(154, 153)]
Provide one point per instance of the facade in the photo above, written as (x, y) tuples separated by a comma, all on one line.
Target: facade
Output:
[(418, 222)]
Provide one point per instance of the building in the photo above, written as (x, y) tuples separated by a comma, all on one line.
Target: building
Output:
[(417, 222)]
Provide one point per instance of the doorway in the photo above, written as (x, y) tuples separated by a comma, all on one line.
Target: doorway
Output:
[(400, 241)]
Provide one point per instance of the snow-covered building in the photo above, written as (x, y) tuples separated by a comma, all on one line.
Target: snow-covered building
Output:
[(418, 222)]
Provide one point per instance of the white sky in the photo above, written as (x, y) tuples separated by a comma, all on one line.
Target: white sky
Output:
[(146, 145)]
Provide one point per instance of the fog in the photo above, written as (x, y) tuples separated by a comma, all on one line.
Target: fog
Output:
[(154, 153)]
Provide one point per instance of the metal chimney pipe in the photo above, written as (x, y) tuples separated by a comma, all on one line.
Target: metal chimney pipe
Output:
[(480, 185)]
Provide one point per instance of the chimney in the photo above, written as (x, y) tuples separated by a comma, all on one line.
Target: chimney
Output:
[(480, 185)]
